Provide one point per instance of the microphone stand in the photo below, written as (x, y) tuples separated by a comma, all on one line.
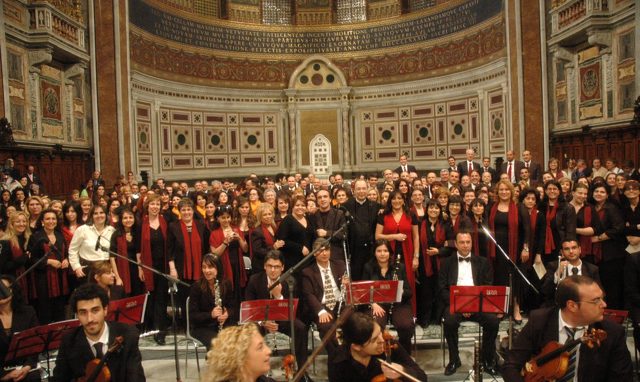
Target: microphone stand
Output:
[(173, 289), (287, 277), (518, 271)]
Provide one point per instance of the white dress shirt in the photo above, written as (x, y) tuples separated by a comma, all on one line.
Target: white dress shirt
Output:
[(83, 244), (104, 338), (465, 275), (563, 335)]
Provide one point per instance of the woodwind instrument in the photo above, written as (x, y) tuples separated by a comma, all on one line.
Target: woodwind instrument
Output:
[(218, 300), (343, 295), (394, 277), (477, 367)]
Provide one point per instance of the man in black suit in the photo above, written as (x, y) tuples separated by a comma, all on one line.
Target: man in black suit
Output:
[(466, 269), (322, 283), (362, 228), (535, 170), (327, 221), (405, 166), (258, 289), (451, 163), (467, 166), (579, 306), (511, 167), (571, 264), (93, 338), (486, 167)]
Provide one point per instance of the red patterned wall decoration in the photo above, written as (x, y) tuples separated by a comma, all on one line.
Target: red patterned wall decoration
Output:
[(590, 83)]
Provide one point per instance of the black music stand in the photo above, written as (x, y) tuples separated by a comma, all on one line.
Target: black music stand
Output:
[(40, 339), (479, 299), (128, 310)]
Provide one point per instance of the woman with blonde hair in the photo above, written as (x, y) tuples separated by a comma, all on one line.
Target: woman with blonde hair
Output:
[(238, 354), (13, 255)]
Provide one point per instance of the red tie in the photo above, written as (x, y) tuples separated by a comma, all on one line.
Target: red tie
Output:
[(509, 171), (470, 168)]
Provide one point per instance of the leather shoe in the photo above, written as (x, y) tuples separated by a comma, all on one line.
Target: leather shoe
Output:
[(490, 369), (159, 338), (452, 366), (306, 378)]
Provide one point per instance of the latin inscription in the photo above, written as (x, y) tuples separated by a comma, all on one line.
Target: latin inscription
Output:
[(171, 27)]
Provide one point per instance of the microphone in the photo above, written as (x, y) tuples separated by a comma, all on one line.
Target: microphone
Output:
[(98, 243)]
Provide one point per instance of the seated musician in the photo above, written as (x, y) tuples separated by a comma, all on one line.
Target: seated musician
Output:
[(16, 316), (321, 282), (385, 268), (102, 274), (363, 342), (93, 338), (258, 289), (570, 265), (210, 302), (579, 306), (467, 269)]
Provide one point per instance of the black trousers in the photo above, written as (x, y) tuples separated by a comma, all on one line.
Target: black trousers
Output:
[(490, 325)]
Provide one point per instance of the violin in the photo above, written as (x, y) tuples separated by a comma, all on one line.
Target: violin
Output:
[(552, 362), (288, 362), (389, 347), (96, 370)]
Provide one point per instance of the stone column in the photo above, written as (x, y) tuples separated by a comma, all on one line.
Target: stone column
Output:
[(346, 128), (293, 145)]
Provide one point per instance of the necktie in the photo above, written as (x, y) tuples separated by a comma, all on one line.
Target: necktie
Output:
[(509, 171), (470, 168), (574, 271), (463, 259), (404, 168), (526, 164), (571, 368), (329, 296), (98, 348)]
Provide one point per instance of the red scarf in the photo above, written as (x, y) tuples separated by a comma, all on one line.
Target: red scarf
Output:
[(549, 243), (585, 241), (475, 236), (54, 276), (192, 252), (404, 226), (122, 264), (268, 239), (597, 247), (512, 220), (424, 244), (17, 252), (216, 240), (145, 250)]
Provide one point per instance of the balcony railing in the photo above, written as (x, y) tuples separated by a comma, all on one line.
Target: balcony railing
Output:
[(565, 14), (46, 17)]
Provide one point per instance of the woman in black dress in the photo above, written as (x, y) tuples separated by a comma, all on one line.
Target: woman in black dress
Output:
[(297, 232), (50, 276), (126, 242)]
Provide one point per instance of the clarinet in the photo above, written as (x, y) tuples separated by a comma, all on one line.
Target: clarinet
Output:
[(394, 277), (218, 299)]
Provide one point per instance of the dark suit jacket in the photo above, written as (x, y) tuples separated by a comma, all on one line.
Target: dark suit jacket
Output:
[(410, 169), (518, 166), (632, 284), (610, 362), (362, 230), (74, 353), (480, 269), (463, 167), (259, 249), (549, 286), (313, 286), (175, 242), (535, 171), (492, 171), (257, 288), (331, 223)]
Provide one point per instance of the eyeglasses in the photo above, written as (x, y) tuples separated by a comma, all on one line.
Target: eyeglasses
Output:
[(595, 301)]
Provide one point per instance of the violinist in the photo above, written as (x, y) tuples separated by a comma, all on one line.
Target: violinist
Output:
[(579, 306), (92, 339), (363, 343), (384, 267)]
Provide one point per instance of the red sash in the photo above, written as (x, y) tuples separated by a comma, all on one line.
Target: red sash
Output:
[(192, 252), (424, 244), (122, 264), (145, 249), (404, 226), (215, 240), (54, 276), (475, 236), (549, 243), (585, 241), (597, 247), (512, 219), (17, 252)]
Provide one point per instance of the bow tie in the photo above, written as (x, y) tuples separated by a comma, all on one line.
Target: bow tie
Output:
[(461, 259)]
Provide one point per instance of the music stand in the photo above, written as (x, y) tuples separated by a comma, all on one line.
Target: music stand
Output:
[(266, 310), (129, 310), (479, 299), (379, 292), (38, 340)]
